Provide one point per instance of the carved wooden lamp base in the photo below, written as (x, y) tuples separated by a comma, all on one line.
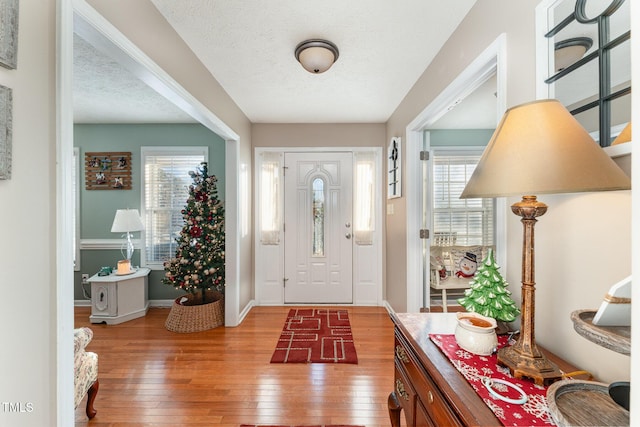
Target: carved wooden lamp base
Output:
[(524, 359), (536, 367)]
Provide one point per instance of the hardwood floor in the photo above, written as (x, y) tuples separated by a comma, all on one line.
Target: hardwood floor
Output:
[(223, 377)]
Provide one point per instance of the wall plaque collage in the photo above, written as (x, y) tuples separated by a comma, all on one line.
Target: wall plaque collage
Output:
[(107, 170)]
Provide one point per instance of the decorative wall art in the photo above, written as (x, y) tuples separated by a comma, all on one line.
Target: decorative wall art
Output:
[(107, 170), (394, 162), (5, 132), (9, 34)]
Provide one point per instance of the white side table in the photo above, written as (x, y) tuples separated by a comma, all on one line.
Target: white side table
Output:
[(118, 298)]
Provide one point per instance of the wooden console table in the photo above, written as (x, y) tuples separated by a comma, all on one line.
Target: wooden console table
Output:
[(426, 385)]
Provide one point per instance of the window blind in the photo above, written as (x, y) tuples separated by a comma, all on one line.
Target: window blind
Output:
[(270, 198), (464, 221), (364, 198), (165, 188)]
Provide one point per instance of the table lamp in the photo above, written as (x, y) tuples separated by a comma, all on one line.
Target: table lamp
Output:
[(126, 221), (538, 148)]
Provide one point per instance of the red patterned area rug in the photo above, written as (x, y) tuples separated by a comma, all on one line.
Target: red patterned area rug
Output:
[(313, 335)]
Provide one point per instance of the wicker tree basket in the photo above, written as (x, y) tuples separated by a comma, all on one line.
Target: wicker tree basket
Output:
[(186, 317)]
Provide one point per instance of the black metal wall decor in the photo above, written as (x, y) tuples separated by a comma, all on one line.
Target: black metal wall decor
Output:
[(394, 171), (607, 90)]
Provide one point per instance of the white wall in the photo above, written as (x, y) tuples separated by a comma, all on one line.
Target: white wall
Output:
[(583, 243), (583, 246), (27, 227)]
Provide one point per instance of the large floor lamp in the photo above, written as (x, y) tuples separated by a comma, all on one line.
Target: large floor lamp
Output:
[(539, 148)]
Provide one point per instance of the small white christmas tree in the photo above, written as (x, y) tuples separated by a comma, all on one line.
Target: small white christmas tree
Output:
[(488, 294)]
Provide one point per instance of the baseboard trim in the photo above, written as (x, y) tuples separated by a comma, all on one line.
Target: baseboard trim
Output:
[(162, 303), (167, 303), (246, 311), (386, 305), (152, 303), (82, 303)]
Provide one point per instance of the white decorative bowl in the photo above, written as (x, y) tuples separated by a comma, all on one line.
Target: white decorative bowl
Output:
[(476, 333)]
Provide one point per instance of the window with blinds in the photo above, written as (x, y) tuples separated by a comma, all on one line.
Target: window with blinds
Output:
[(165, 190), (462, 221)]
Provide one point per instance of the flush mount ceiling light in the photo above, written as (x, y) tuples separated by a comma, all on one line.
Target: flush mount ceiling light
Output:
[(316, 55), (571, 50)]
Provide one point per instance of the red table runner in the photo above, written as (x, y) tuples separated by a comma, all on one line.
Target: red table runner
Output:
[(535, 412)]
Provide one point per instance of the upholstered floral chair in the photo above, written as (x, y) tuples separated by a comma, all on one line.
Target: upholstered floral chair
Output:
[(86, 370)]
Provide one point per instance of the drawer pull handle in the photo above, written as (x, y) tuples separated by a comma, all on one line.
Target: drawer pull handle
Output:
[(430, 397), (402, 354), (401, 391)]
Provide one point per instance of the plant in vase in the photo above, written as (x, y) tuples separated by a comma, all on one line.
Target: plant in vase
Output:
[(488, 294), (198, 265)]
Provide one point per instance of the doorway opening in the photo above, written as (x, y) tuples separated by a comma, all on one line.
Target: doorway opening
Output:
[(318, 226), (79, 16), (490, 63)]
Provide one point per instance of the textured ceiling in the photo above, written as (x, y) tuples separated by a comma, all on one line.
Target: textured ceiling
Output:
[(248, 46), (105, 92), (384, 48)]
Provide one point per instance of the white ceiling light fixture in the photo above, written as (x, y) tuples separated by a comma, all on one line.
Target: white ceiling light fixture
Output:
[(316, 55), (571, 50)]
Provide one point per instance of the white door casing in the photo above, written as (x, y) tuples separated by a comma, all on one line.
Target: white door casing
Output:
[(318, 239), (491, 60)]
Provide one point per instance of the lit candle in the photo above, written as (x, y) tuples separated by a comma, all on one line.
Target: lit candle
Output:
[(124, 266)]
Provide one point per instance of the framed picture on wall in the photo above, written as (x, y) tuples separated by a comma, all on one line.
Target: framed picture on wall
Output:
[(107, 170), (394, 168), (9, 34), (5, 132)]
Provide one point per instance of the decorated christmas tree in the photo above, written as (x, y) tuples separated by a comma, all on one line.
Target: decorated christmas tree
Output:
[(198, 265), (488, 294)]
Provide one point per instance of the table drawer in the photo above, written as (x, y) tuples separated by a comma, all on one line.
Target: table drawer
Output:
[(429, 397), (405, 393)]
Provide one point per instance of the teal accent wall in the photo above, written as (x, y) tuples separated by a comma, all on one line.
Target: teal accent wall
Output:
[(98, 207), (460, 137)]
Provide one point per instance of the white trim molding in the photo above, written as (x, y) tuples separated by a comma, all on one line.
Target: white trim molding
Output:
[(491, 61), (106, 244)]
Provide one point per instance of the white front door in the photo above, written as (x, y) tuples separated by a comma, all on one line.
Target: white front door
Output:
[(317, 220)]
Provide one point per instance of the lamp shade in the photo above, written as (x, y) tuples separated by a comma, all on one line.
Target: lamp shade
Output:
[(540, 148), (316, 55), (625, 135), (127, 220)]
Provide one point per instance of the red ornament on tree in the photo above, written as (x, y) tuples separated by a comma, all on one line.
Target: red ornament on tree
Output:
[(196, 232)]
